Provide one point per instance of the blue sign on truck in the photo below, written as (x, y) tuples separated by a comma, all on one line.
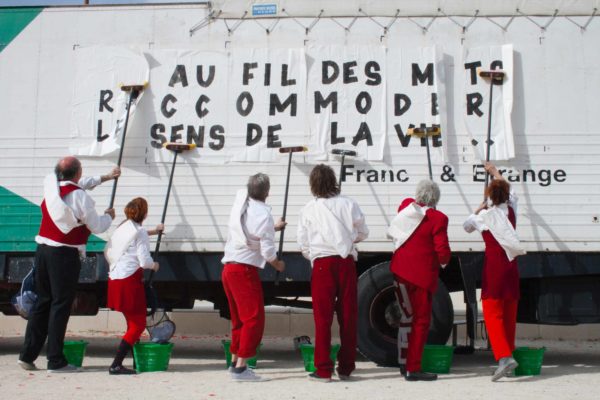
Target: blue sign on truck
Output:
[(264, 9)]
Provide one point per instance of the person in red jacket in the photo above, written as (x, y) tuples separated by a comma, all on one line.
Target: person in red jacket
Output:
[(500, 275), (420, 234)]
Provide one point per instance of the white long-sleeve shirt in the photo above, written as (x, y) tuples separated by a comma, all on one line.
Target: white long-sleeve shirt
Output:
[(331, 230), (136, 256), (84, 209), (475, 222), (259, 230)]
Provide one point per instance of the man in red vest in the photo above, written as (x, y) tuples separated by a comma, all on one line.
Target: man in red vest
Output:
[(420, 234), (68, 218)]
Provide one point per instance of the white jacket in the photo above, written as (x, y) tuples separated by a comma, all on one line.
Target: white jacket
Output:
[(329, 227)]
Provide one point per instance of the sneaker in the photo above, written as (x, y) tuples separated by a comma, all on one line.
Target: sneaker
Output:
[(67, 369), (419, 376), (317, 378), (121, 370), (27, 366), (505, 367), (247, 376), (230, 369)]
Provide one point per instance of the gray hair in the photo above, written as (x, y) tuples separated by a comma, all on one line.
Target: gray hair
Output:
[(258, 186), (428, 193)]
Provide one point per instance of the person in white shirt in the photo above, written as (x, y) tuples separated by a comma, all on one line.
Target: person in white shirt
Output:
[(328, 228), (68, 218), (250, 245), (128, 254)]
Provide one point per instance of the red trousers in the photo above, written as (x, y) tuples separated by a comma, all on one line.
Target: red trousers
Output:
[(334, 289), (136, 323), (415, 308), (246, 304), (500, 318)]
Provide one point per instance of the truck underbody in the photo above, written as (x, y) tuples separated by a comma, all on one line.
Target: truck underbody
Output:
[(556, 289)]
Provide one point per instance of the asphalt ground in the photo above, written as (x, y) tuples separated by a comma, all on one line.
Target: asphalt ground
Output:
[(197, 370)]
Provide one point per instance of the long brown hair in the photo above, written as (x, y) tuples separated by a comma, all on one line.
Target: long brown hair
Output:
[(323, 183)]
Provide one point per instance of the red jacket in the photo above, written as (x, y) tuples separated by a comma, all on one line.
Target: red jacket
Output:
[(418, 260)]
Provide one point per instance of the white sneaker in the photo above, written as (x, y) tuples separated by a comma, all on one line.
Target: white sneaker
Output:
[(27, 366), (248, 376), (67, 369), (505, 367)]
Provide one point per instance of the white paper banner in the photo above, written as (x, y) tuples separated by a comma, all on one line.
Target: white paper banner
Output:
[(242, 105), (267, 103), (189, 103), (416, 93), (477, 91), (99, 105), (347, 100)]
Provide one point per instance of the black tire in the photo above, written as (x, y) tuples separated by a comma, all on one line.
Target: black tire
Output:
[(376, 311)]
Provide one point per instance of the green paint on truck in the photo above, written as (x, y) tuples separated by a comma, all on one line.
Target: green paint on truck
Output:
[(20, 222), (13, 21), (20, 218)]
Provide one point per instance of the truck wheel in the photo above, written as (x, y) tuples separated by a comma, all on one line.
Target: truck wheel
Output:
[(378, 315)]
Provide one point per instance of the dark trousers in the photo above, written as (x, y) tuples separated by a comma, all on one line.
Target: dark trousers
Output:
[(56, 277)]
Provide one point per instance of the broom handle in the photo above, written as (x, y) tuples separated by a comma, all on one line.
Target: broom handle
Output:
[(132, 95), (164, 214), (489, 137), (285, 199)]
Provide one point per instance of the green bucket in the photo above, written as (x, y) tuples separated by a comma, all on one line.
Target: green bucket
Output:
[(151, 357), (251, 362), (308, 355), (530, 360), (437, 358), (74, 351)]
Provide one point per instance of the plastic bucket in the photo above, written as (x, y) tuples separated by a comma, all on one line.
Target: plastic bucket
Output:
[(74, 351), (151, 357), (251, 362), (308, 355), (530, 360), (437, 358)]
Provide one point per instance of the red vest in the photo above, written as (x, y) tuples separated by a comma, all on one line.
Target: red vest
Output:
[(499, 277), (75, 237)]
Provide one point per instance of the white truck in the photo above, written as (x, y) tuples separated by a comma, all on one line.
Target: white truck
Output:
[(241, 79)]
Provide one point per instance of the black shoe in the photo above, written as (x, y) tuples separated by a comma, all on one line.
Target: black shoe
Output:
[(121, 370), (420, 376), (402, 370), (317, 378)]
